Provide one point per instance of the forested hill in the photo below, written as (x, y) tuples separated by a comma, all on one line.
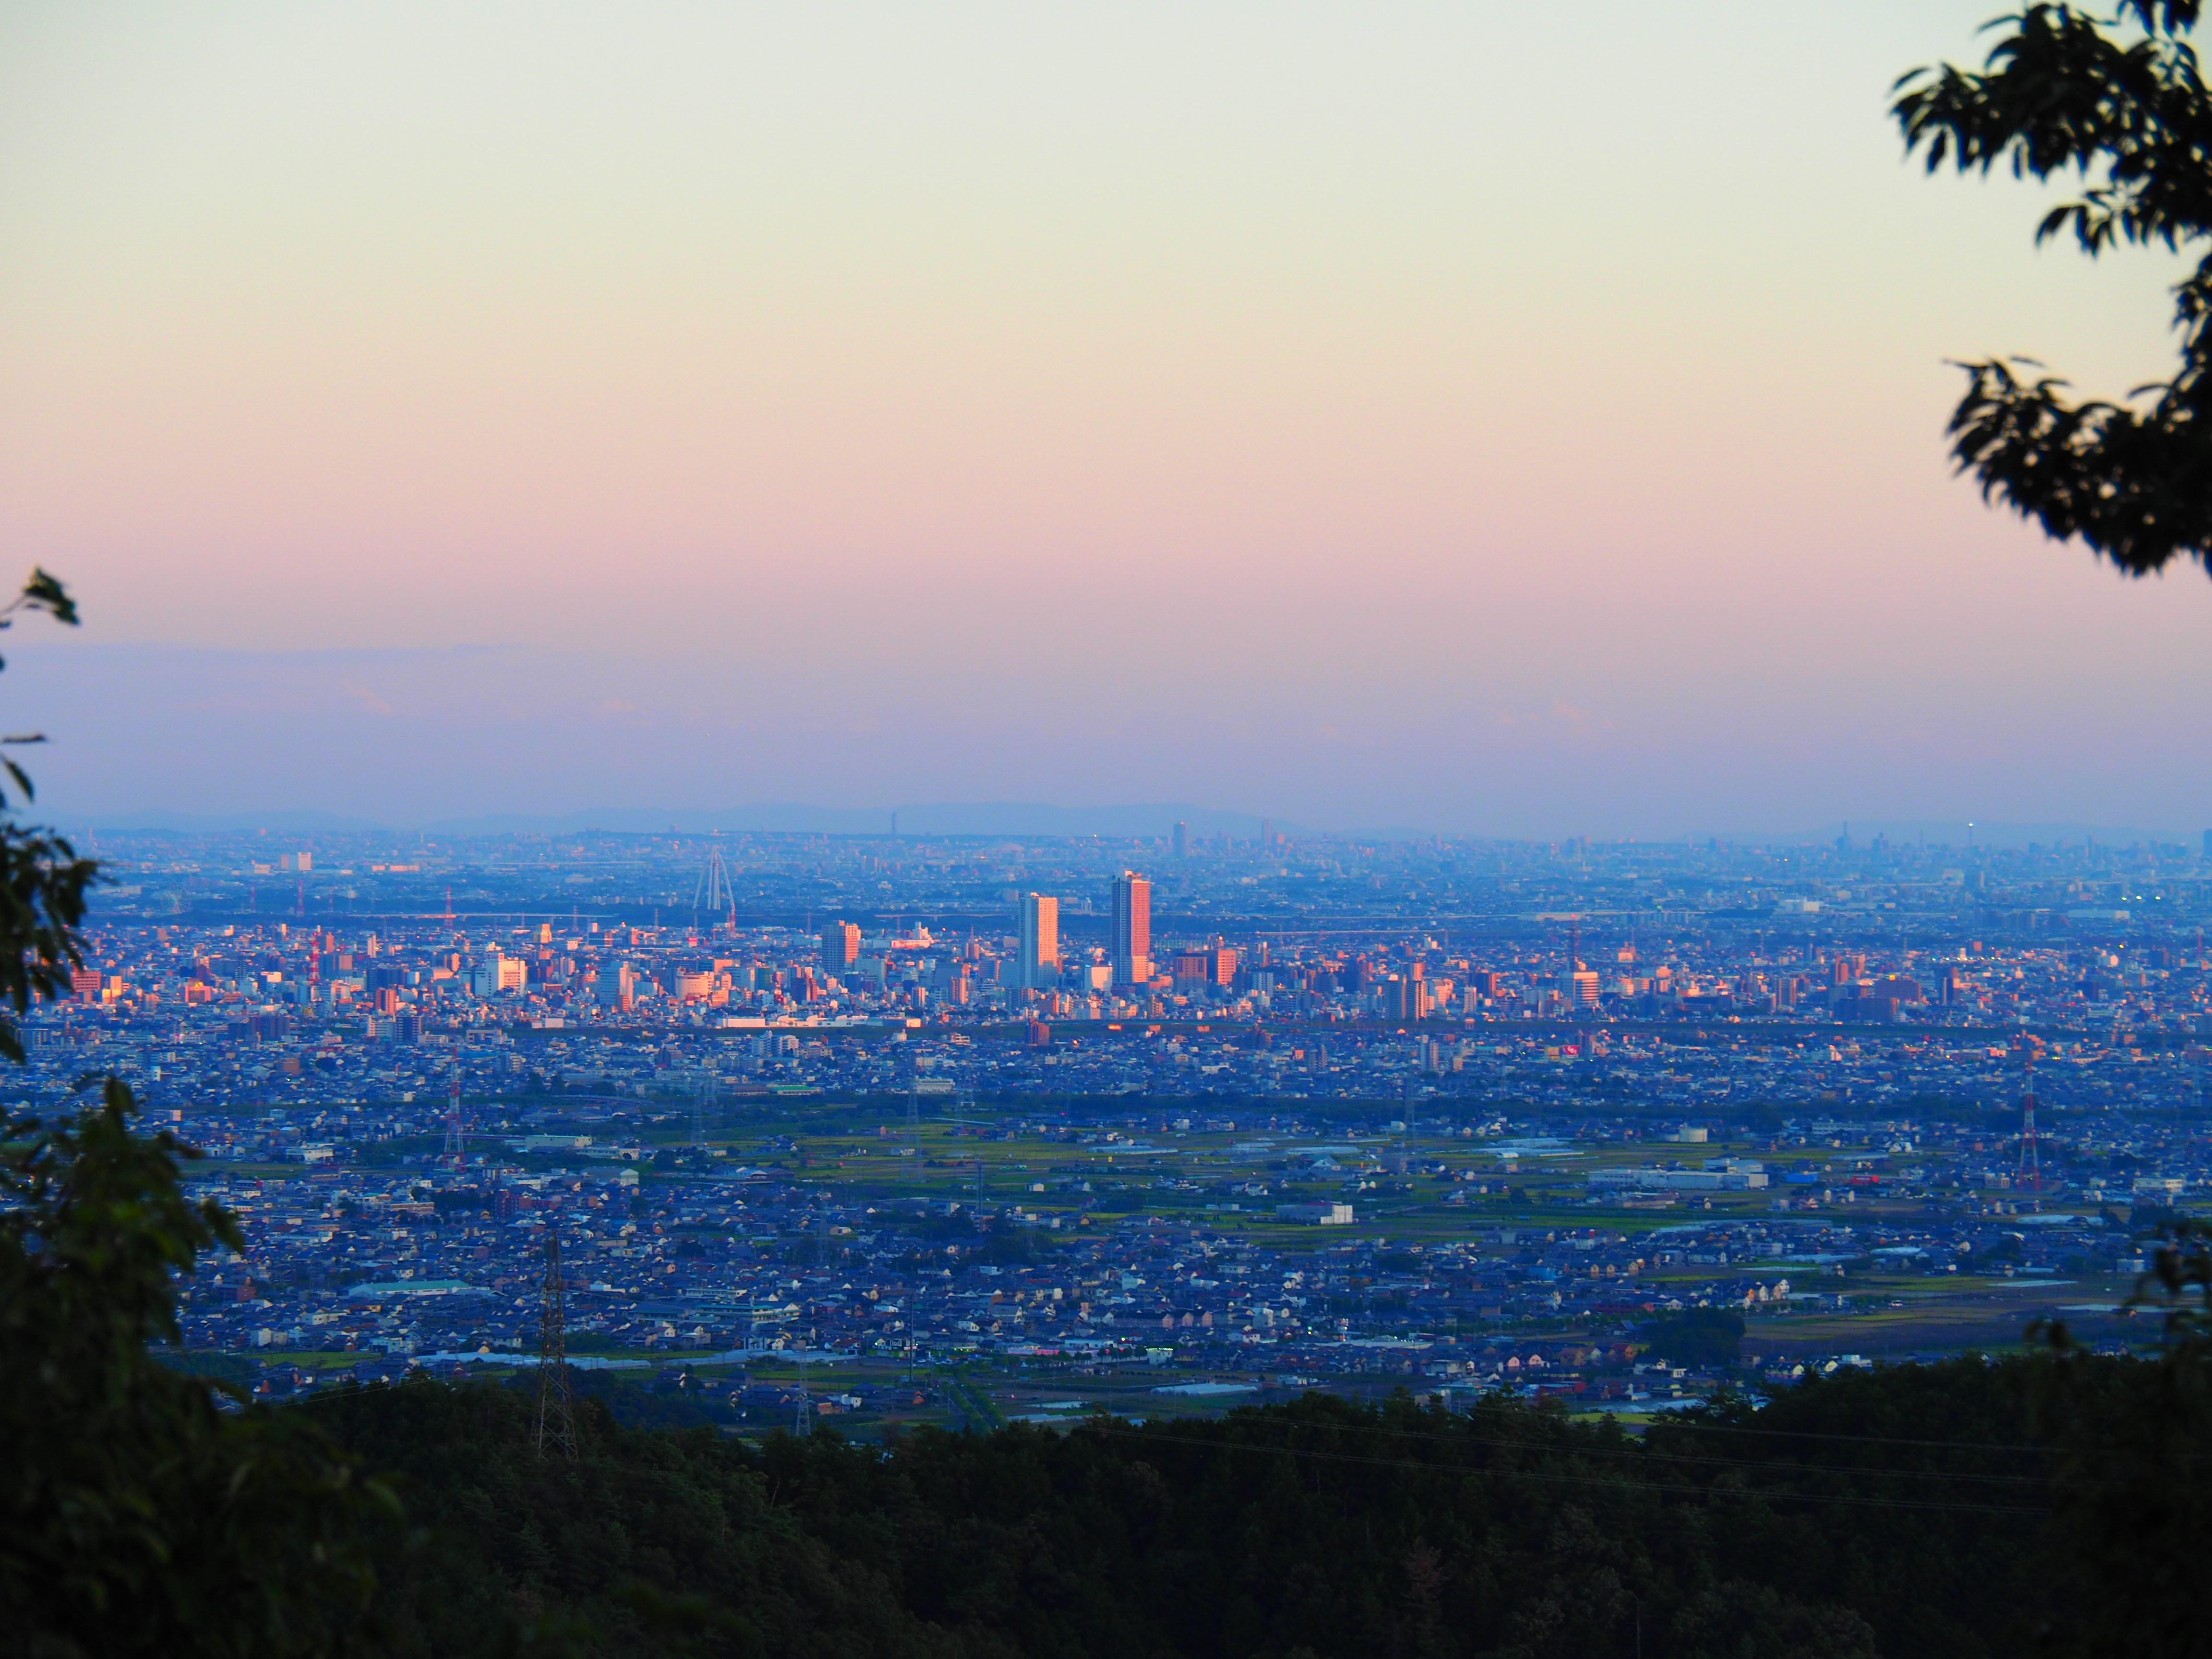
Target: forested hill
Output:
[(1900, 1513)]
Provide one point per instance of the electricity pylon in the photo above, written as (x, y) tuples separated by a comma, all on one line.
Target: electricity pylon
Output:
[(457, 1135), (706, 1095), (557, 1401), (2030, 1158)]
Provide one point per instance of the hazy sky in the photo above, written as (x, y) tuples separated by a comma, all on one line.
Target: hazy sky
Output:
[(1507, 418)]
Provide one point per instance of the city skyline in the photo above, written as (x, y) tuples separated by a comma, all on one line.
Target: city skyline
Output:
[(1153, 824)]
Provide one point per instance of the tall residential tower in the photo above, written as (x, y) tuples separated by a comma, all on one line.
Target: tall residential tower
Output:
[(1132, 929), (1039, 961)]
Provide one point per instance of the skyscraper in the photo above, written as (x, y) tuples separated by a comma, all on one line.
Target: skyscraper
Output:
[(1132, 929), (841, 945), (1181, 839), (1038, 961)]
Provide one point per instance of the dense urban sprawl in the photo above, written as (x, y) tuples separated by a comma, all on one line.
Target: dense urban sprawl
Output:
[(1468, 1115)]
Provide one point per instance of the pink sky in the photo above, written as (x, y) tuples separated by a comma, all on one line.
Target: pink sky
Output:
[(1461, 415)]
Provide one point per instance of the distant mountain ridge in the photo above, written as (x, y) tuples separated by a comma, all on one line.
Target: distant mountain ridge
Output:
[(1146, 821), (1959, 834), (1155, 821)]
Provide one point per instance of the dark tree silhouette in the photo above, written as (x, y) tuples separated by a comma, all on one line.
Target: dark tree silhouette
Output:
[(42, 880), (136, 1514), (2119, 104)]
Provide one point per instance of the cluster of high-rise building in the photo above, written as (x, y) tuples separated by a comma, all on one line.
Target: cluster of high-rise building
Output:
[(1037, 965)]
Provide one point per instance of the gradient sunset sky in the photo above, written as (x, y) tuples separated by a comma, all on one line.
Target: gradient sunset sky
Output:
[(1489, 418)]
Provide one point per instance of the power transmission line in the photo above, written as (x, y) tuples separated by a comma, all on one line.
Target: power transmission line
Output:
[(1619, 1485)]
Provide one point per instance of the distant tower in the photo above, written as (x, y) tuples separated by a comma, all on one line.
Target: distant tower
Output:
[(557, 1401), (705, 1095), (803, 1422), (2030, 1172), (1132, 929), (1578, 986), (1181, 839), (457, 1135)]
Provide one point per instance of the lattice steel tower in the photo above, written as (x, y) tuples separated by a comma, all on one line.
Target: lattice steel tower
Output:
[(706, 1100), (457, 1135), (2030, 1172), (557, 1400)]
